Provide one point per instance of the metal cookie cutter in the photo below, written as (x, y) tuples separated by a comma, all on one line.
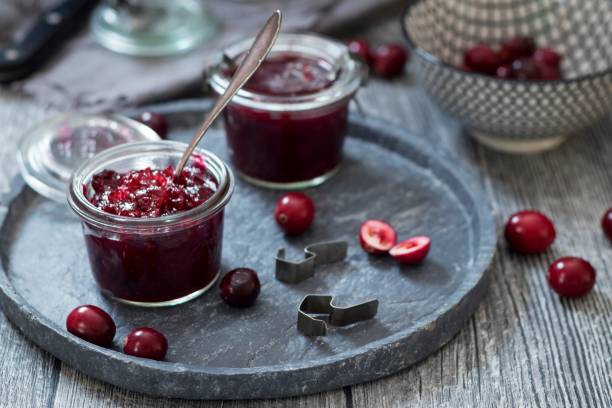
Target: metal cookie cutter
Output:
[(315, 254), (338, 316)]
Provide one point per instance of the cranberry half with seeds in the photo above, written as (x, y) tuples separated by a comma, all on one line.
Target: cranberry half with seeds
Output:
[(92, 324), (240, 287), (156, 122), (530, 232), (411, 251), (294, 212), (377, 237), (146, 342), (571, 276)]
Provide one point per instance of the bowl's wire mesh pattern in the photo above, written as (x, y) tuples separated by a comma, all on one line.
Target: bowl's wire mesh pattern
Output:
[(580, 29)]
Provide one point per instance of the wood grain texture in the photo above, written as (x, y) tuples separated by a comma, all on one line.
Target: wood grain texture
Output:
[(525, 347)]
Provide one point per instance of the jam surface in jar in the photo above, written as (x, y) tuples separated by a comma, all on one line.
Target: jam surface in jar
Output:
[(151, 193), (291, 75)]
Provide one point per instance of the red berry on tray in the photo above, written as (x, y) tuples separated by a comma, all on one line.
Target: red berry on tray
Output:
[(362, 49), (240, 287), (515, 48), (294, 212), (389, 60), (411, 251), (146, 342), (530, 232), (505, 72), (547, 56), (549, 73), (92, 324), (606, 223), (526, 69), (482, 58), (571, 276), (156, 122), (377, 237)]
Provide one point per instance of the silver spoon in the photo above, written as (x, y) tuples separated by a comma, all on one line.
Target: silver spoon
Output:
[(259, 50)]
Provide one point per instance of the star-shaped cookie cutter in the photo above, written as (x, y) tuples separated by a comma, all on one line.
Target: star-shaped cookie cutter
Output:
[(315, 254), (338, 316)]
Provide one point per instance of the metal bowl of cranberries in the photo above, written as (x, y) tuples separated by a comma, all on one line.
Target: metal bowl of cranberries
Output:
[(521, 76)]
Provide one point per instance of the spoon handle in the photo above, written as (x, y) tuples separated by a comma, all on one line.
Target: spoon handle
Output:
[(257, 53)]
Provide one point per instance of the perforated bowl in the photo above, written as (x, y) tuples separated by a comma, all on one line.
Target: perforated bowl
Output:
[(510, 115)]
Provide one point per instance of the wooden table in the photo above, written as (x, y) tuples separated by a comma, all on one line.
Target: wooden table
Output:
[(524, 346)]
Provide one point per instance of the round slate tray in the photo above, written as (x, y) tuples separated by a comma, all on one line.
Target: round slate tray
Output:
[(217, 352)]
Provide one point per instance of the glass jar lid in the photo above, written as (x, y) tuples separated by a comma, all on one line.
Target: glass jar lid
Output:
[(349, 73), (49, 153)]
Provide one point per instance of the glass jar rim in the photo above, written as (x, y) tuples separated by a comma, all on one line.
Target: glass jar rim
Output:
[(95, 216), (352, 73)]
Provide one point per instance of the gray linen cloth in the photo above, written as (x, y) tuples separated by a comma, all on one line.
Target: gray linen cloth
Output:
[(86, 76)]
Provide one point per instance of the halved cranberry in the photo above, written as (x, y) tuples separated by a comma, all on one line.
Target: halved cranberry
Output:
[(547, 56), (377, 237), (411, 251), (389, 60), (526, 69), (516, 48), (482, 58), (606, 223), (571, 276), (362, 49), (294, 212), (240, 287), (530, 232), (146, 342), (156, 122), (505, 72), (92, 324)]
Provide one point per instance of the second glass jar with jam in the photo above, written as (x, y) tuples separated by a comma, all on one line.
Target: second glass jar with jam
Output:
[(286, 127)]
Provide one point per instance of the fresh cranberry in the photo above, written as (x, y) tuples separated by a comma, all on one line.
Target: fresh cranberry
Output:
[(516, 48), (377, 237), (530, 232), (362, 49), (505, 72), (547, 56), (482, 58), (156, 122), (146, 342), (240, 287), (571, 276), (411, 251), (91, 324), (294, 212), (389, 60), (526, 69), (606, 223), (549, 73)]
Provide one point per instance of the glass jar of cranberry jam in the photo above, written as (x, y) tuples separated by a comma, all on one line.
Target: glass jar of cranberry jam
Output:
[(286, 127), (152, 240)]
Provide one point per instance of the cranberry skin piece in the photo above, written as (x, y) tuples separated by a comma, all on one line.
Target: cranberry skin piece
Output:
[(156, 122), (362, 49), (530, 232), (505, 72), (571, 276), (516, 48), (606, 223), (526, 69), (411, 251), (146, 342), (547, 56), (549, 73), (294, 212), (377, 237), (389, 60), (240, 287), (483, 59), (92, 324)]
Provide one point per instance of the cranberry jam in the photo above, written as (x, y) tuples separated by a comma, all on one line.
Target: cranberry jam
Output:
[(151, 240), (286, 127)]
